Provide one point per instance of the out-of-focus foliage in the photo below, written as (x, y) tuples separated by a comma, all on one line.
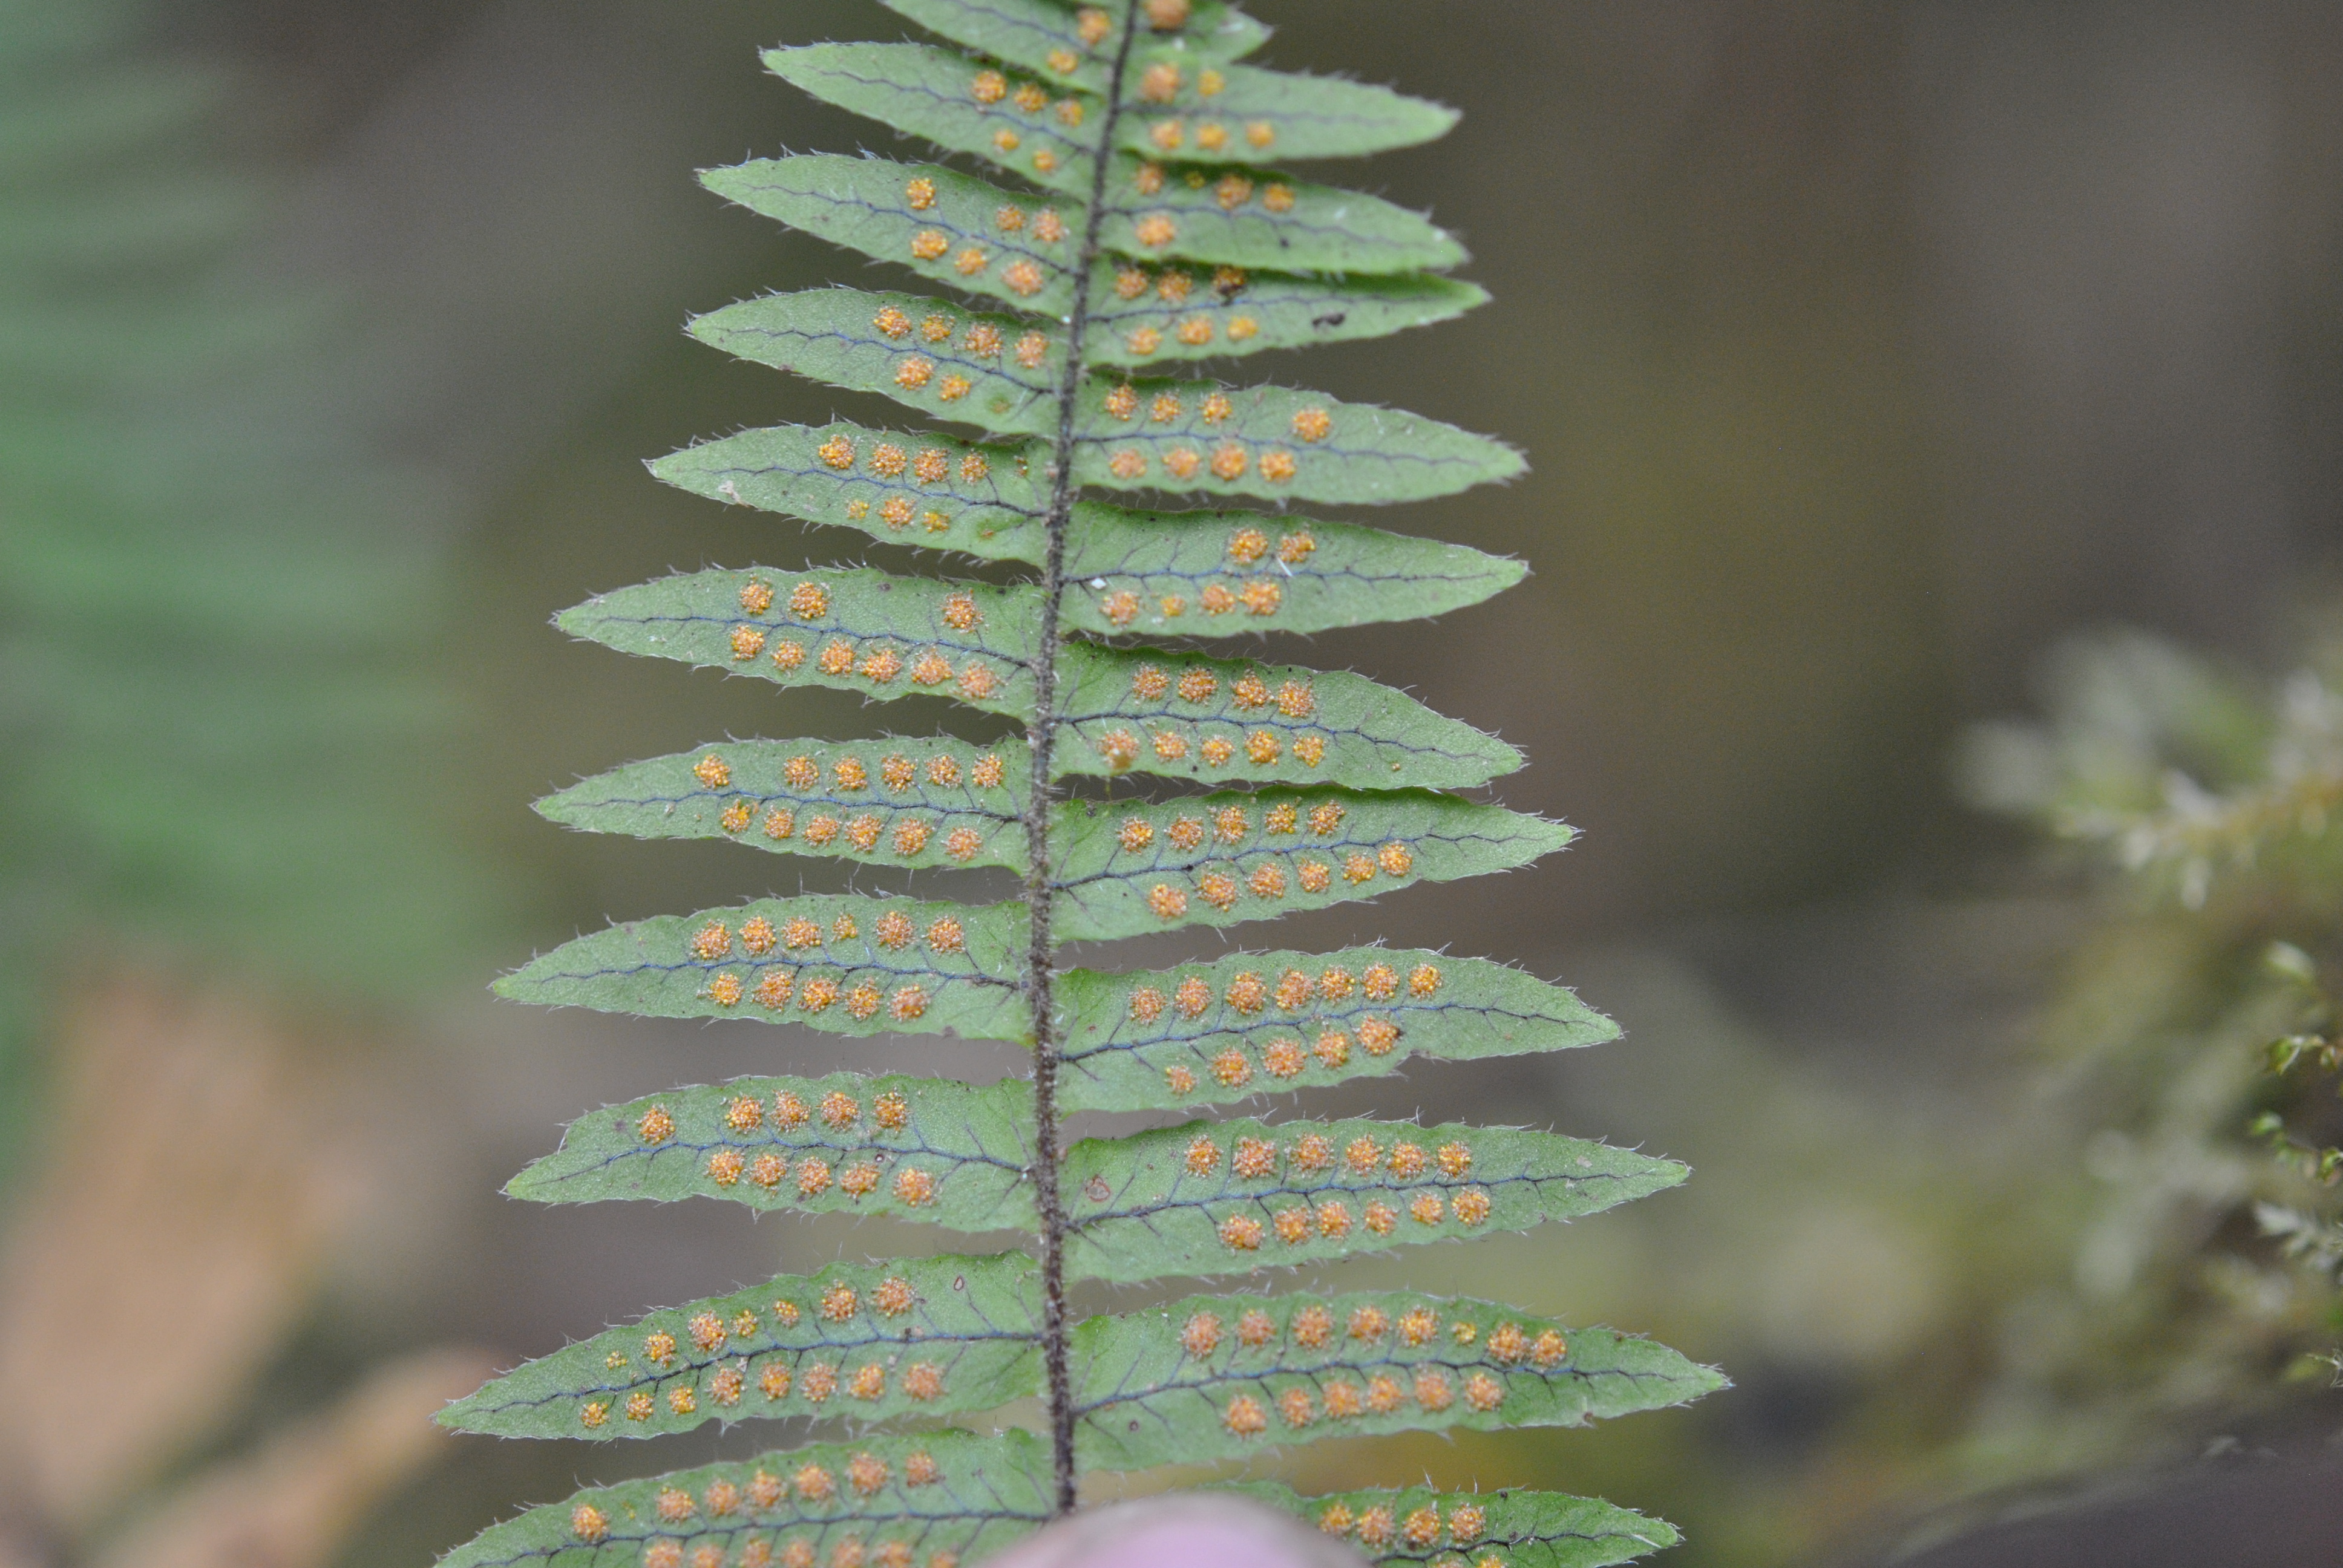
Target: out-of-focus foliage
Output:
[(2046, 1195), (2195, 1031), (163, 1261), (209, 697), (211, 729)]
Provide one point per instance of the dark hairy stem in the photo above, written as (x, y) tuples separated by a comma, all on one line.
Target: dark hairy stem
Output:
[(1041, 957)]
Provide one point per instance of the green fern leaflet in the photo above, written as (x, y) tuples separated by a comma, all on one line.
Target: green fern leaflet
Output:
[(1061, 318)]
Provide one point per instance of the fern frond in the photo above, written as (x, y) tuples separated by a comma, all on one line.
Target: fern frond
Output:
[(1136, 229)]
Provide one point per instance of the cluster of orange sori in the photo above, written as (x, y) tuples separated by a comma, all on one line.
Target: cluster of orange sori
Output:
[(1331, 1218), (1124, 403), (893, 931), (1231, 191), (1171, 133), (1384, 1393), (1259, 596), (893, 462), (814, 1383), (1248, 544), (838, 1111), (1173, 284), (1262, 596), (1194, 331), (1254, 1159), (897, 773), (1248, 994), (1043, 224), (1193, 327), (846, 1551), (993, 93), (1380, 1526), (776, 987), (1227, 826), (815, 1174), (914, 371), (1120, 749), (1161, 83), (1285, 1057), (1093, 25), (1314, 1327), (879, 661), (711, 1333), (911, 833), (1227, 462), (724, 1502), (839, 1302), (1198, 685), (1268, 881)]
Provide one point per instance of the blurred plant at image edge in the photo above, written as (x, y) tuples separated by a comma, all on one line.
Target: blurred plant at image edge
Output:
[(211, 821), (2195, 1027)]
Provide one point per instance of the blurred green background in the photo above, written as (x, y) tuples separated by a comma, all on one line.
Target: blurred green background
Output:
[(1876, 363)]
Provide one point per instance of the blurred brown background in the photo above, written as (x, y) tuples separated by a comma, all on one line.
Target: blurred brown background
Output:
[(1863, 354)]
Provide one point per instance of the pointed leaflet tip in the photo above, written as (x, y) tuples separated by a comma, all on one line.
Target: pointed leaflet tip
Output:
[(927, 1336)]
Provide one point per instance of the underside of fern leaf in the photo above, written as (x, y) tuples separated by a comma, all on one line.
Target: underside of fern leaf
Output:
[(1131, 227)]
